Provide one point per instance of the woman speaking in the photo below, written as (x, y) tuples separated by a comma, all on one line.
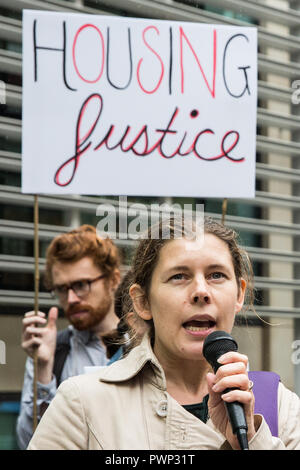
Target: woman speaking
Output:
[(164, 394)]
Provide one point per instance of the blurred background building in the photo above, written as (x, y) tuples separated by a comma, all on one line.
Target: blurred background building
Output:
[(269, 225)]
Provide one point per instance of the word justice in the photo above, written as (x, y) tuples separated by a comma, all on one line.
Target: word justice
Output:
[(179, 51), (139, 143)]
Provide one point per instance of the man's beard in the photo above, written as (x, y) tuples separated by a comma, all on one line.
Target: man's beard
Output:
[(91, 317)]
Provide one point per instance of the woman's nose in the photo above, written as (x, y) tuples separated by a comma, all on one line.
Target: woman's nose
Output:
[(200, 292)]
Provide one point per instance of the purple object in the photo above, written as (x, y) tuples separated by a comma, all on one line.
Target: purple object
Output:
[(265, 391)]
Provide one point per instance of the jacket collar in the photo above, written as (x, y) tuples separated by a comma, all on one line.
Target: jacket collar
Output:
[(138, 359)]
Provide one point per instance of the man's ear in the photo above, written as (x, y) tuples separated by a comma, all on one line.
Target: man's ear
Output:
[(139, 301), (115, 279)]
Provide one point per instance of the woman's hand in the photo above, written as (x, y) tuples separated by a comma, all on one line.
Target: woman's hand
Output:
[(231, 374)]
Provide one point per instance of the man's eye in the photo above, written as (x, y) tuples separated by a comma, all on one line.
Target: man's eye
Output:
[(61, 289), (79, 285)]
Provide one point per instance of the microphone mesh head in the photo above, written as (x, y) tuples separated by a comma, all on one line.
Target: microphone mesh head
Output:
[(216, 344)]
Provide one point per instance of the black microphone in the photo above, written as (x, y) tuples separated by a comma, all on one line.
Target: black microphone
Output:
[(215, 345)]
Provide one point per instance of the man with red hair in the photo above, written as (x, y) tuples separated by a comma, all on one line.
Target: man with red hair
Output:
[(82, 272)]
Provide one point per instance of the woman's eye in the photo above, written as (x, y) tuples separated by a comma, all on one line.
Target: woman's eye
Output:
[(178, 276), (217, 275)]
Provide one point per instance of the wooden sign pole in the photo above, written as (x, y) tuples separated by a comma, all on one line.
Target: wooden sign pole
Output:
[(36, 303), (224, 210)]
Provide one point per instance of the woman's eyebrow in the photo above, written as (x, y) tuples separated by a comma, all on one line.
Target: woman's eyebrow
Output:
[(217, 266), (182, 267)]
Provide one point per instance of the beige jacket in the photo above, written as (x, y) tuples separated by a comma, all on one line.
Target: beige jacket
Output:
[(126, 407)]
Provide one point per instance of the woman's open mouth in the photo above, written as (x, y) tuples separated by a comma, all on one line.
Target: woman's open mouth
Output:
[(199, 326)]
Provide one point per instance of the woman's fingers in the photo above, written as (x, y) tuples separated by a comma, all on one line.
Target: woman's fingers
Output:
[(233, 356), (241, 396), (239, 381), (231, 379), (230, 383), (231, 363)]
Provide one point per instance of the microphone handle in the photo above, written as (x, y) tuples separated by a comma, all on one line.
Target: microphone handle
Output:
[(235, 413), (236, 416)]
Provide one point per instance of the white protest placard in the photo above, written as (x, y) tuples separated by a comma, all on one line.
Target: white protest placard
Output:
[(145, 107)]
